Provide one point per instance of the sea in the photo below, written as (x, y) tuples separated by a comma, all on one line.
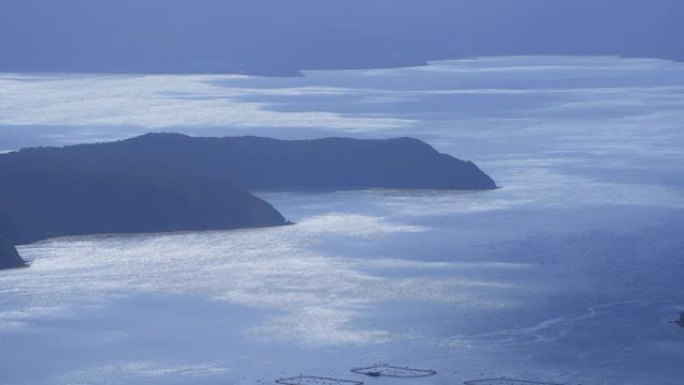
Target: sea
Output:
[(569, 273)]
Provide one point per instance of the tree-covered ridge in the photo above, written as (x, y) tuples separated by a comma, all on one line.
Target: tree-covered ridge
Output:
[(39, 204), (172, 182), (264, 163)]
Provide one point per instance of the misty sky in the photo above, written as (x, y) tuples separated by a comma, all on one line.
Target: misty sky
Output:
[(282, 37)]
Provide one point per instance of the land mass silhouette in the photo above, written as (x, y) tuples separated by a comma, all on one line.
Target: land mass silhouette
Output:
[(9, 257), (174, 182), (257, 163)]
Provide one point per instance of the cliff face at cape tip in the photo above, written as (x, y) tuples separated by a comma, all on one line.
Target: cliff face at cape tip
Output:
[(9, 257)]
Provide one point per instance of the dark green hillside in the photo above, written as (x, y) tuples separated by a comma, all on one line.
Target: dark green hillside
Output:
[(38, 204), (263, 163), (171, 182)]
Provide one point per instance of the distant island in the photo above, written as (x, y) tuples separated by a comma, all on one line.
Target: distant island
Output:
[(173, 182)]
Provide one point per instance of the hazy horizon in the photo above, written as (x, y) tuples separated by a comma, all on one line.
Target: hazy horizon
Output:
[(273, 37)]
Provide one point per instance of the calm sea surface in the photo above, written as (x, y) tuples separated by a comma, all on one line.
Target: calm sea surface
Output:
[(569, 273)]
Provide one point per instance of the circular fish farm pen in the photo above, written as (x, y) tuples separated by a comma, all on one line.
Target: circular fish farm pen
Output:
[(508, 381), (315, 380), (394, 371)]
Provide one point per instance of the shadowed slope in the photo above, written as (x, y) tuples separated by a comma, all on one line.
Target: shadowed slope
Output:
[(9, 257), (263, 163), (47, 203), (172, 182)]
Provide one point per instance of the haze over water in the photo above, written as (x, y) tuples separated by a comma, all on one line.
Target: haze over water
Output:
[(568, 273)]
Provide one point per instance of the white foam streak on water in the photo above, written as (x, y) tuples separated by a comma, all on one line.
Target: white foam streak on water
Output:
[(155, 101)]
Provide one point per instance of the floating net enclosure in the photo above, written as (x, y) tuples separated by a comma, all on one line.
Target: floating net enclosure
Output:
[(314, 380), (507, 381), (394, 371)]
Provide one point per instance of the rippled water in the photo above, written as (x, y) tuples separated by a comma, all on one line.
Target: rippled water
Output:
[(569, 273)]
